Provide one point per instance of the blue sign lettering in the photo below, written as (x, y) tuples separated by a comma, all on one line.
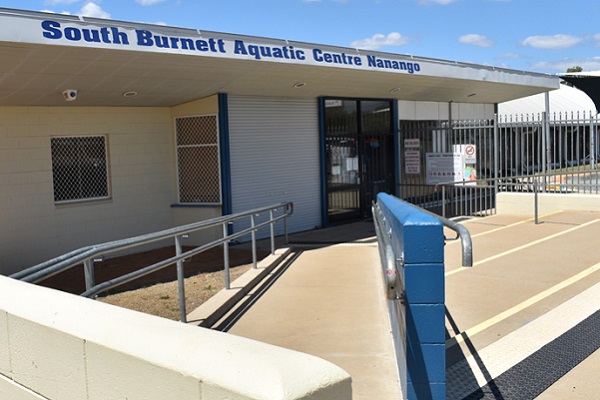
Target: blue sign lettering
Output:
[(374, 61), (51, 30), (112, 35), (147, 39), (144, 38), (336, 58), (260, 52)]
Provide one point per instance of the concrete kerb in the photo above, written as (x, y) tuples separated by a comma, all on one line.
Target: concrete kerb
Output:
[(217, 306)]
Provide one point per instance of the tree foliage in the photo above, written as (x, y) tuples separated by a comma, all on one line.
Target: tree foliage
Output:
[(576, 68)]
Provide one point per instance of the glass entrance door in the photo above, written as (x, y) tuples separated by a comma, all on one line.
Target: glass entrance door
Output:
[(377, 156), (359, 150), (341, 152)]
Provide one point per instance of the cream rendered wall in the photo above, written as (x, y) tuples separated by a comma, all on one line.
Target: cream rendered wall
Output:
[(421, 110), (208, 105), (183, 215), (141, 160), (56, 346)]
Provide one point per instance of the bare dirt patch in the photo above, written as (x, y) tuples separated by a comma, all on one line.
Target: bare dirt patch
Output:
[(157, 293), (163, 299)]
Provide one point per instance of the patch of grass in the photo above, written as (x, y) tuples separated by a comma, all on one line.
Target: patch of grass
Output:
[(163, 299)]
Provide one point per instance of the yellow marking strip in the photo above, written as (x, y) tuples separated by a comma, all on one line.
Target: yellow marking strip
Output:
[(508, 226), (519, 307), (514, 250)]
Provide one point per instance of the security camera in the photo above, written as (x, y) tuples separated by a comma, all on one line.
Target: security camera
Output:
[(70, 94)]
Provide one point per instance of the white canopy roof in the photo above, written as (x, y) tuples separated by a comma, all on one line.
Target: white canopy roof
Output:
[(565, 101), (44, 54)]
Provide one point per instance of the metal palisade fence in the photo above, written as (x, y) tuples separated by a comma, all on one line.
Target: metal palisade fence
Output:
[(457, 168)]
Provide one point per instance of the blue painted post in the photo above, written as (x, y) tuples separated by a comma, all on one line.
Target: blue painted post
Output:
[(419, 239)]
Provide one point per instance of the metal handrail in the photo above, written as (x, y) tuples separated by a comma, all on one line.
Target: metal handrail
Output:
[(391, 262), (462, 233), (88, 254), (393, 285), (515, 177), (380, 227), (515, 181)]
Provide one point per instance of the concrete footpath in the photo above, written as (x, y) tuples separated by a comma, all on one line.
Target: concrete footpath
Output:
[(524, 321), (330, 303)]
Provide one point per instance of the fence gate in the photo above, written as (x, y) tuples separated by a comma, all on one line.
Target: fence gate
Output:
[(560, 152), (427, 149)]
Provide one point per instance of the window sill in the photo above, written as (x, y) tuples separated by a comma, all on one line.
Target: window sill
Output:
[(196, 205)]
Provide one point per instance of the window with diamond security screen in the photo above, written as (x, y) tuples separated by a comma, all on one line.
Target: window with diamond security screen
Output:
[(198, 170), (79, 168)]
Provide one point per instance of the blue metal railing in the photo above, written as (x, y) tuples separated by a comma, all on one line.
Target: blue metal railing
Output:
[(411, 245)]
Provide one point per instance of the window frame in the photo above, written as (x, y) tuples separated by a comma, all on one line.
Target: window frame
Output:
[(107, 183), (216, 145)]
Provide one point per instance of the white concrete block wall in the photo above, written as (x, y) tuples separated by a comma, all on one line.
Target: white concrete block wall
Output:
[(13, 391), (142, 180), (59, 373), (64, 347), (4, 359)]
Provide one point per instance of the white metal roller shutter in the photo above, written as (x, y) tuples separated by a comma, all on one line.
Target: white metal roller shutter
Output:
[(274, 144)]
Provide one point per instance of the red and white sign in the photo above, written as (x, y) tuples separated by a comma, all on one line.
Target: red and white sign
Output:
[(468, 152)]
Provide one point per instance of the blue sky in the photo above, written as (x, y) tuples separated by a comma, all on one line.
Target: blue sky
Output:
[(532, 35)]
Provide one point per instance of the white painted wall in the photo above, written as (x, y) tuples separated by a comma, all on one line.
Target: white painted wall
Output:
[(33, 228)]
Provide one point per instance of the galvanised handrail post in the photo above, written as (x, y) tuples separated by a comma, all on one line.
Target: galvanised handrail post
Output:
[(272, 225), (226, 256), (285, 224), (535, 201), (253, 235), (180, 279), (88, 268)]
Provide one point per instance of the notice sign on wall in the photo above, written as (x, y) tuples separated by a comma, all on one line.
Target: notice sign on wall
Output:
[(443, 167), (469, 156), (412, 156)]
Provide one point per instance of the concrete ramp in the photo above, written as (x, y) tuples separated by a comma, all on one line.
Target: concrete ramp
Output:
[(522, 323), (330, 303)]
